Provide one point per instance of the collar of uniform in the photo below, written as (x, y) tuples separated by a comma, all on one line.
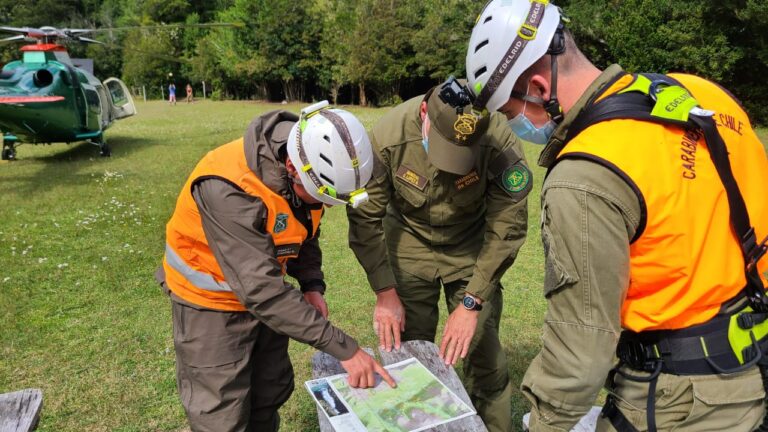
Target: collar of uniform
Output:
[(555, 144)]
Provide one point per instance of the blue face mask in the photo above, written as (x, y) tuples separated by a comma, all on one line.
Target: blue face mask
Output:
[(424, 135), (526, 130)]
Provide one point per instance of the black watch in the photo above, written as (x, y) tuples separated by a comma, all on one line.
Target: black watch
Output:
[(471, 304)]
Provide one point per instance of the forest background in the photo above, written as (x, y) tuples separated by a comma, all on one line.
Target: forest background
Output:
[(380, 52)]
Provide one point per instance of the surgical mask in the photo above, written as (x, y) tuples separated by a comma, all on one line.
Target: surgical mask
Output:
[(424, 135), (525, 129)]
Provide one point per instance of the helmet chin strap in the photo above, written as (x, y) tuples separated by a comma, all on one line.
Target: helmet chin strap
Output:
[(556, 47)]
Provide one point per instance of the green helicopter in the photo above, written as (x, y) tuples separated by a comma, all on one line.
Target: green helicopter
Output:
[(45, 98)]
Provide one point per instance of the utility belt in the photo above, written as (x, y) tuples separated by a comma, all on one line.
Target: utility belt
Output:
[(724, 345)]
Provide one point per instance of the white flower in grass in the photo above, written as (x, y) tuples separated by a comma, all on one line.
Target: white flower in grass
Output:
[(104, 258), (6, 279), (62, 265)]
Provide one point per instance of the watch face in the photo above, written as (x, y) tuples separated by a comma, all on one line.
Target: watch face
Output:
[(469, 302)]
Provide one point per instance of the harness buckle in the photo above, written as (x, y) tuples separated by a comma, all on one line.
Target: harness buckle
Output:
[(638, 355)]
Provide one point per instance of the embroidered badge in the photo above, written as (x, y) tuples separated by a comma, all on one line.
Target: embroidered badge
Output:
[(281, 223), (516, 178), (467, 180), (410, 177), (465, 126)]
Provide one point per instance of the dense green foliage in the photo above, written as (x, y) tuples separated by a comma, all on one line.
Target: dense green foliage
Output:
[(383, 51)]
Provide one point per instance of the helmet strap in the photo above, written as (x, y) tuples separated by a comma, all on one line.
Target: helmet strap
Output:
[(556, 47)]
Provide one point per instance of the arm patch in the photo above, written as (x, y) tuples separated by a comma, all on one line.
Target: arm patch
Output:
[(516, 180)]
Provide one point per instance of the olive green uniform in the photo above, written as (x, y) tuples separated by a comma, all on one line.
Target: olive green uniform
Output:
[(589, 215), (424, 228)]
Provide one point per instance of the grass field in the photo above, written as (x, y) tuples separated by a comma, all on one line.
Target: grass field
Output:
[(80, 237)]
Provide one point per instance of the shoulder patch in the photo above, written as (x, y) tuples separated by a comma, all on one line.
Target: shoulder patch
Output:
[(281, 223), (412, 178), (517, 180)]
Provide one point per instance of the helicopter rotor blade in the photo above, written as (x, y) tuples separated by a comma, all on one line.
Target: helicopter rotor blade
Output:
[(20, 30), (88, 40), (168, 26), (12, 39)]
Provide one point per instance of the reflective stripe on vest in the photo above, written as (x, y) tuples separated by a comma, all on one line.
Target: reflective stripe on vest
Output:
[(198, 279), (682, 268), (192, 272)]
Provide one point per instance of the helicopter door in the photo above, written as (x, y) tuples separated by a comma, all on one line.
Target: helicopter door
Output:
[(122, 102)]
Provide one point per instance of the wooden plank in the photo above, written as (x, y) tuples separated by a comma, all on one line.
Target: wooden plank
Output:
[(20, 411), (325, 365)]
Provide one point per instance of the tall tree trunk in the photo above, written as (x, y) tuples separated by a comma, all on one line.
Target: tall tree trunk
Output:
[(363, 99), (335, 92)]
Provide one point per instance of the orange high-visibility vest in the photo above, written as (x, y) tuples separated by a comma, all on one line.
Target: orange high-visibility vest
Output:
[(191, 270), (685, 260)]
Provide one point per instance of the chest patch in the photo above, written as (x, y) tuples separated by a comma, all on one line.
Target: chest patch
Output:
[(412, 178), (281, 223), (467, 180)]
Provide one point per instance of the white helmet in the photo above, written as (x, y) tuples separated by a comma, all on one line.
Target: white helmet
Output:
[(332, 154), (509, 37)]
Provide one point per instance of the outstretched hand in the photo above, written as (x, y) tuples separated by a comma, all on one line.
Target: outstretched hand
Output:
[(388, 319), (361, 368), (457, 336)]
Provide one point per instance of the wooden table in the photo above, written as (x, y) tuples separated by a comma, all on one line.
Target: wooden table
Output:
[(324, 365), (20, 411)]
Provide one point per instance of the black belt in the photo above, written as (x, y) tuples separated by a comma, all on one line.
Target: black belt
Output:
[(703, 349)]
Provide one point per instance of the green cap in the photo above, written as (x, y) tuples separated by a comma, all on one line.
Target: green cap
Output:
[(453, 135)]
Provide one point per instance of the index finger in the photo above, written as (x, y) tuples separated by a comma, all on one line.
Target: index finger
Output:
[(385, 375)]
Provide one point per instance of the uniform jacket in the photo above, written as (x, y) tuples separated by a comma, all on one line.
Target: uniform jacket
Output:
[(434, 224), (235, 226)]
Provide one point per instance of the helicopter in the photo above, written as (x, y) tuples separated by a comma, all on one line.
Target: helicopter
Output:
[(45, 98)]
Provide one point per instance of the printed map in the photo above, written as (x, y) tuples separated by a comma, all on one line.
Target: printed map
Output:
[(420, 400)]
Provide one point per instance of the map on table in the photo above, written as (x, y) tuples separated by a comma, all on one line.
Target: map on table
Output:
[(419, 402)]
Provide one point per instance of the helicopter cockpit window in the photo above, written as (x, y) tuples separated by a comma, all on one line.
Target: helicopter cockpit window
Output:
[(34, 57), (93, 100)]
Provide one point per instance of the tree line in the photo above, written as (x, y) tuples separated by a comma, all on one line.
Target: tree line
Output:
[(380, 52)]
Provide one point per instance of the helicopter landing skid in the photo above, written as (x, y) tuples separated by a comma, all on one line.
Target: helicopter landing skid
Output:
[(9, 150), (101, 143)]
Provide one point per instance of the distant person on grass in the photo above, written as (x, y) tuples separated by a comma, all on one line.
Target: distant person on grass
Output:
[(189, 93), (447, 212), (248, 214), (654, 182), (172, 93)]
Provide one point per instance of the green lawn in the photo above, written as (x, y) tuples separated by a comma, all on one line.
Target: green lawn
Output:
[(80, 237)]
